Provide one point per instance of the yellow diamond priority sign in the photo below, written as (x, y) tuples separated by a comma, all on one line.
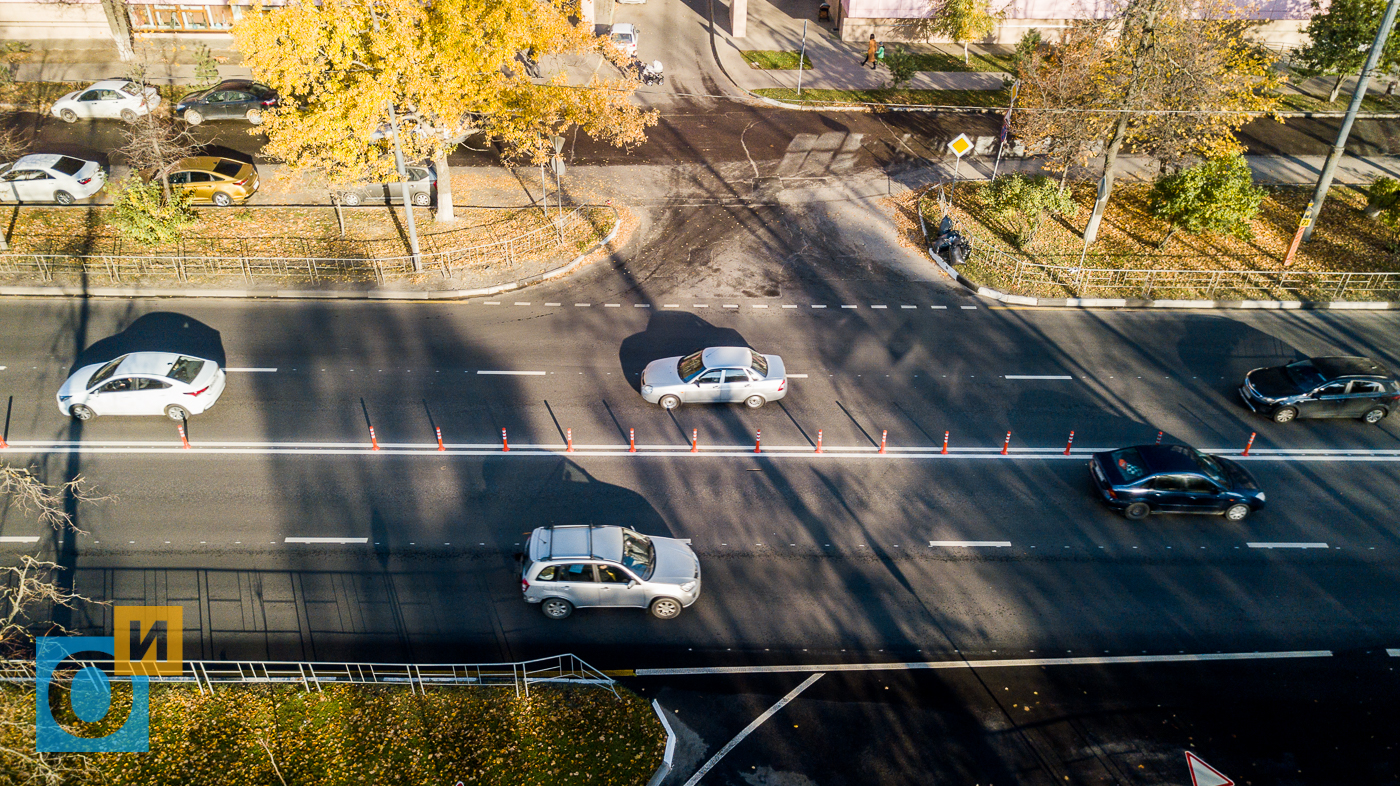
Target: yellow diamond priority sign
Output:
[(960, 146)]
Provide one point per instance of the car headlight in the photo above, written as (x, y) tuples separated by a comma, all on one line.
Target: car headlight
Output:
[(64, 398), (689, 586), (646, 390)]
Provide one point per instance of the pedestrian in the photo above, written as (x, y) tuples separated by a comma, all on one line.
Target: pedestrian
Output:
[(870, 52)]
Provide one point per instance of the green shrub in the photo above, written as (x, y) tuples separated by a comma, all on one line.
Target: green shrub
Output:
[(1216, 196), (1024, 202), (1383, 200), (902, 64), (141, 213)]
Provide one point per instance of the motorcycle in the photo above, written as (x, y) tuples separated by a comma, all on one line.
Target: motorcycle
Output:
[(950, 245)]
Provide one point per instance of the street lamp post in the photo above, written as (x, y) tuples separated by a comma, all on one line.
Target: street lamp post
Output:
[(403, 182)]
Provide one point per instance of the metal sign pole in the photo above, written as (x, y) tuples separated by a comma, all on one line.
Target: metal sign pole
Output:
[(801, 57)]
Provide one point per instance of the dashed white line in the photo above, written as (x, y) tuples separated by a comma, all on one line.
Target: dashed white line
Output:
[(968, 308), (879, 306), (325, 540), (1038, 376), (797, 376), (1393, 653), (547, 305), (671, 305), (1285, 545), (849, 307), (520, 303), (582, 305), (492, 303), (19, 538), (814, 305), (253, 370), (784, 306), (943, 307), (612, 305), (641, 305), (908, 306), (513, 373), (700, 305), (731, 305), (967, 544), (759, 305)]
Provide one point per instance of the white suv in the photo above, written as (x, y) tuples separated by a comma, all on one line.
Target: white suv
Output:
[(143, 383), (573, 566)]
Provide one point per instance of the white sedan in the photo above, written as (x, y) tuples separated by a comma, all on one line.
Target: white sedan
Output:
[(624, 37), (110, 98), (717, 374), (143, 383), (50, 178)]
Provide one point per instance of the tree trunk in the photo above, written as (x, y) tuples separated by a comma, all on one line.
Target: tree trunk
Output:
[(1170, 232), (965, 58), (1110, 162), (444, 188), (120, 26), (339, 216), (1337, 88), (1064, 177)]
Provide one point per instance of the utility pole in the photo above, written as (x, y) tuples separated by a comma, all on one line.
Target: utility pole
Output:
[(801, 56), (558, 165), (1335, 154), (403, 182)]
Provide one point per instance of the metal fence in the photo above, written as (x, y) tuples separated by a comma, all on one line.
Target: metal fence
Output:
[(191, 260), (565, 669)]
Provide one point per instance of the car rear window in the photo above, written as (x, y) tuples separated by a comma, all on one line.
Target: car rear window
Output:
[(1128, 463), (690, 365), (131, 89), (186, 369), (228, 168), (760, 363), (69, 166)]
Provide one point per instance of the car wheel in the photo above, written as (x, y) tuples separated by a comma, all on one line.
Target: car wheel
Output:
[(422, 199), (350, 199), (63, 197), (193, 117), (68, 115), (1236, 512), (1374, 416), (1285, 414), (669, 402), (222, 199), (754, 402), (557, 608), (80, 412), (177, 413), (1137, 511), (128, 116), (254, 116), (665, 608)]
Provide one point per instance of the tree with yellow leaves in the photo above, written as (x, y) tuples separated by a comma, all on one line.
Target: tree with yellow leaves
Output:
[(1173, 78), (444, 69)]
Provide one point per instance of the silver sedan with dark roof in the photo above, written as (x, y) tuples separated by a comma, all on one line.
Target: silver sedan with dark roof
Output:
[(715, 375)]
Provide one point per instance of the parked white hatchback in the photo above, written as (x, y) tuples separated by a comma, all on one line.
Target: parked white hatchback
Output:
[(48, 177), (714, 375), (110, 98), (143, 383)]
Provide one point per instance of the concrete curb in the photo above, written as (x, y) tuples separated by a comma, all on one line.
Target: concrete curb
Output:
[(1114, 302), (663, 769), (315, 294)]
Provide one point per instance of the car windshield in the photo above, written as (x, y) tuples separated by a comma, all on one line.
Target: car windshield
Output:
[(228, 168), (760, 363), (638, 553), (690, 366), (185, 369), (68, 165), (622, 38), (1211, 468), (1304, 374), (1129, 463), (131, 89), (105, 373)]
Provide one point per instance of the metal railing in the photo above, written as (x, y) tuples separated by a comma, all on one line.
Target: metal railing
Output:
[(566, 669), (183, 263)]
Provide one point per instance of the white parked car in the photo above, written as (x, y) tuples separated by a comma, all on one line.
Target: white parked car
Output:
[(713, 375), (48, 177), (110, 98), (143, 383), (624, 37)]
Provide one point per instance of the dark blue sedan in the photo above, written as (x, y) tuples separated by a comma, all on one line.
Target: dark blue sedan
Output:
[(1173, 479)]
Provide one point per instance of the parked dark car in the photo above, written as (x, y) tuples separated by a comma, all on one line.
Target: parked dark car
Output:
[(1332, 387), (1173, 479), (228, 100)]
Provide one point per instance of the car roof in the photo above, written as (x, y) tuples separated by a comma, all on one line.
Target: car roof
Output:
[(1168, 458), (1333, 367), (202, 163), (108, 84), (158, 363), (581, 542), (42, 160), (622, 27), (727, 357)]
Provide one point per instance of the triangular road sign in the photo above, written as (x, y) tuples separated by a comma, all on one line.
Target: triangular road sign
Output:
[(1203, 774)]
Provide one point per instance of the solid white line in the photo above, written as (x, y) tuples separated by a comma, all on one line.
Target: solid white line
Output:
[(792, 694), (1393, 653), (19, 538), (1287, 545), (797, 376), (956, 544), (326, 540), (1106, 660), (1038, 376), (254, 370), (514, 373)]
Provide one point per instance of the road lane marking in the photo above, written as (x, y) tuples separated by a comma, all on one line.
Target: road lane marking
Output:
[(784, 306), (1393, 653), (968, 308), (19, 538), (326, 540), (551, 304), (879, 306), (1264, 545), (797, 376), (957, 544), (522, 303), (671, 305), (908, 306), (1038, 376), (849, 307), (1104, 660), (641, 305), (492, 303), (759, 305), (514, 373), (738, 738), (731, 305), (582, 305), (612, 305), (254, 370), (943, 307), (700, 305), (817, 306)]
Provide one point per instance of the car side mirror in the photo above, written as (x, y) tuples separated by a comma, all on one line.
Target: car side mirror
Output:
[(631, 584)]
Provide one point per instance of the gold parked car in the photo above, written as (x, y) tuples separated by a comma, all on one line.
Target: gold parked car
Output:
[(213, 180)]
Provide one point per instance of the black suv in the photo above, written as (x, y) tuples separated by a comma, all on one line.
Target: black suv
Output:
[(1333, 387), (1173, 479)]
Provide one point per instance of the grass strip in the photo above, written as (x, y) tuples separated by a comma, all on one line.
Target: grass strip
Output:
[(972, 99), (769, 60)]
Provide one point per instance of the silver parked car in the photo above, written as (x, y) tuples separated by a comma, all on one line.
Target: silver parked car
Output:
[(421, 186), (568, 567), (714, 375)]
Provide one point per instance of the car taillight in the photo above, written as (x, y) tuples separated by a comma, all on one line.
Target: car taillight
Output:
[(524, 585), (782, 385), (84, 181), (197, 392), (269, 102), (1111, 495), (243, 182)]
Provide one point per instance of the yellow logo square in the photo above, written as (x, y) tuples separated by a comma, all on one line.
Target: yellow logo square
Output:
[(148, 640)]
